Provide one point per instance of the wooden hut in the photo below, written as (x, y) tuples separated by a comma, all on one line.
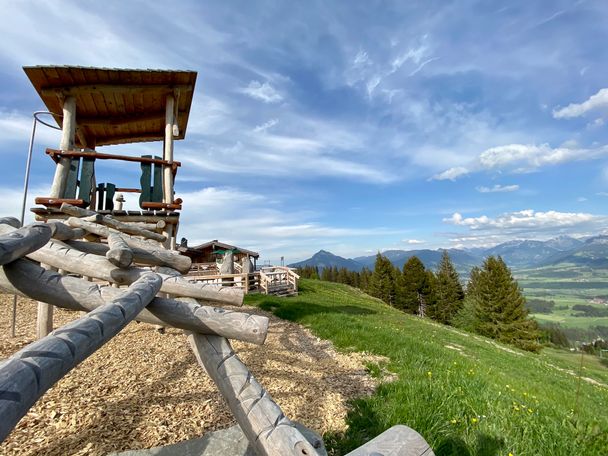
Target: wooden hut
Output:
[(205, 256)]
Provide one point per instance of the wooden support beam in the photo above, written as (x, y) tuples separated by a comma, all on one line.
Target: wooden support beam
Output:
[(111, 222), (119, 254), (168, 150), (30, 372), (68, 132), (120, 120), (145, 253), (27, 279), (268, 430), (131, 89), (22, 241), (57, 155)]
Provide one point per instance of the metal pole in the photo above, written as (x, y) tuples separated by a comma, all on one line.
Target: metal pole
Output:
[(23, 203)]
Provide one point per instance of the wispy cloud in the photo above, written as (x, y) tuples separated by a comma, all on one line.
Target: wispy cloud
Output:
[(594, 102), (262, 91), (413, 241), (451, 174), (266, 126), (498, 188)]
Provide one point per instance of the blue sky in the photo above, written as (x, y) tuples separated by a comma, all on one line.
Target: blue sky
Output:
[(348, 126)]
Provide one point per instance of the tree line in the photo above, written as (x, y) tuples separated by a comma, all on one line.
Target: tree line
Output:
[(492, 304)]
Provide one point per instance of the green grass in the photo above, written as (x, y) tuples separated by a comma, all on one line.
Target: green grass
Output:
[(475, 398)]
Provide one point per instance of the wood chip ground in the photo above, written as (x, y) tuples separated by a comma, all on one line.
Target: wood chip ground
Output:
[(145, 389)]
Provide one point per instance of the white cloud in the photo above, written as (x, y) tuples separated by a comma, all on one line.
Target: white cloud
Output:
[(526, 219), (413, 241), (597, 101), (581, 199), (265, 126), (521, 158), (263, 92), (451, 174), (498, 188)]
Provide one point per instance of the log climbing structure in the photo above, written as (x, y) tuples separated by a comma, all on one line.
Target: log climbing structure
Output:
[(86, 253)]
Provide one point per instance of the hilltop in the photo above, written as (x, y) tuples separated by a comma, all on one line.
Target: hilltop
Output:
[(464, 393)]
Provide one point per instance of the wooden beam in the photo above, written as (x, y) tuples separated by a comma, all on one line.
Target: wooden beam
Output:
[(119, 120), (22, 241), (63, 232), (112, 223), (30, 372), (145, 253), (131, 89), (27, 279), (268, 430), (59, 154)]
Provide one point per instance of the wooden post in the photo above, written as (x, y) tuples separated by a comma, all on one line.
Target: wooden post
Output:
[(68, 132), (120, 254), (44, 316), (168, 150)]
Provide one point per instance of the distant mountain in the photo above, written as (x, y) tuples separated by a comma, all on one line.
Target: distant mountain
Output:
[(324, 259), (522, 253), (593, 252)]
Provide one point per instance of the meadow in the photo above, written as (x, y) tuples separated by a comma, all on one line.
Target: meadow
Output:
[(467, 395)]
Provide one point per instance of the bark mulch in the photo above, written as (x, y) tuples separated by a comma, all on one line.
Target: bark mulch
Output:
[(145, 389)]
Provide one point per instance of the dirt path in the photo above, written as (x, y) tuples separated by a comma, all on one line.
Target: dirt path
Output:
[(145, 389)]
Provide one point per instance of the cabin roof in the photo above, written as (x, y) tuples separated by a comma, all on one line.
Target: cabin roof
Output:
[(115, 106), (214, 245)]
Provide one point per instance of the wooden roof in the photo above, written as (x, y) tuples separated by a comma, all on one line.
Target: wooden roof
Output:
[(115, 106), (215, 245)]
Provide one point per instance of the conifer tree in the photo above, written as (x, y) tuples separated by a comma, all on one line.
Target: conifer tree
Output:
[(382, 283), (499, 307), (449, 294), (326, 274), (365, 279), (415, 287)]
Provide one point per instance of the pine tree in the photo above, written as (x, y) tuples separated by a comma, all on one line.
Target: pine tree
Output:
[(448, 291), (499, 307), (382, 283), (326, 274), (365, 279), (415, 287)]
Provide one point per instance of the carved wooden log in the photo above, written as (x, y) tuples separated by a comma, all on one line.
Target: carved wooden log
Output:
[(139, 255), (30, 372), (63, 232), (28, 279), (59, 255), (169, 258), (119, 254), (11, 221), (109, 221), (268, 430), (22, 241)]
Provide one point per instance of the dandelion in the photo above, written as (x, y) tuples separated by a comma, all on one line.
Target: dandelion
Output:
[(453, 421), (510, 454), (474, 420), (429, 373)]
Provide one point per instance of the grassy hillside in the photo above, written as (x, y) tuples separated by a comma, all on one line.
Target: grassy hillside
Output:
[(465, 394)]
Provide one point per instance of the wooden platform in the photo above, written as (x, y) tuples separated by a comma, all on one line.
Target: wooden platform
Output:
[(172, 218)]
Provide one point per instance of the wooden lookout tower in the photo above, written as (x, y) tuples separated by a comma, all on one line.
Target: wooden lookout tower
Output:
[(101, 107)]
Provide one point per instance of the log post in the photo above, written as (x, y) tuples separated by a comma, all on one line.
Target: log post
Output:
[(44, 315), (22, 241), (119, 254), (268, 430), (168, 150), (68, 133), (30, 372)]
